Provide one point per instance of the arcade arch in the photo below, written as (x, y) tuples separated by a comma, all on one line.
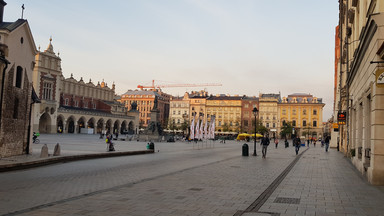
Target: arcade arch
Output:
[(45, 123)]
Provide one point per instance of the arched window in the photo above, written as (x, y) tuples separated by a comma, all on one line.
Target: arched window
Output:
[(19, 76)]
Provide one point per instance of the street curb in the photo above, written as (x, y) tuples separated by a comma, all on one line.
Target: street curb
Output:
[(64, 159)]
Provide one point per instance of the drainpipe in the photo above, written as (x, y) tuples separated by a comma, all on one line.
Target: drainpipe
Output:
[(4, 60)]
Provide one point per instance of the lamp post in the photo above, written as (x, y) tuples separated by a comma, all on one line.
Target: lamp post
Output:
[(255, 113)]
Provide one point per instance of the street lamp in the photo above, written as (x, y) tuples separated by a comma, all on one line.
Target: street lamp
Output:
[(255, 113)]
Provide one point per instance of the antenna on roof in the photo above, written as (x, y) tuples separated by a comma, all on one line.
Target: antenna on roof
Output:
[(22, 11)]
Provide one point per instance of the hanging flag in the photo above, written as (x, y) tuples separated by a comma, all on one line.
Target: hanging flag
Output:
[(197, 128), (192, 129), (213, 127), (201, 129), (205, 129)]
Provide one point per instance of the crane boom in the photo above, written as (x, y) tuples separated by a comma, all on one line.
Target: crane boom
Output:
[(153, 86)]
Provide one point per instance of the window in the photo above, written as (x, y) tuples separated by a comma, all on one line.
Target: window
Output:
[(304, 112), (86, 105), (19, 76), (246, 123), (47, 91), (314, 112), (66, 101), (94, 106), (294, 111), (314, 123), (274, 125), (284, 111), (174, 112), (246, 106), (304, 123), (76, 103), (219, 123), (178, 121), (267, 125), (294, 123), (179, 112)]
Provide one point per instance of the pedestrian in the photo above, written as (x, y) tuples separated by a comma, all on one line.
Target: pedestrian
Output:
[(286, 143), (297, 143), (276, 142), (327, 143), (314, 143), (110, 145), (265, 143)]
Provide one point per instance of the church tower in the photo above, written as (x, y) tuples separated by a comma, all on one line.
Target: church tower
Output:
[(47, 75)]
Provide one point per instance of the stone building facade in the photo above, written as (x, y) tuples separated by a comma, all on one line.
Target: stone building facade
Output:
[(268, 112), (247, 115), (227, 112), (179, 111), (360, 86), (304, 111), (146, 100), (73, 106), (17, 51)]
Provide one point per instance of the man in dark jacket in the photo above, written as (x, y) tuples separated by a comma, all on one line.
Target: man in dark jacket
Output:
[(265, 143), (297, 143)]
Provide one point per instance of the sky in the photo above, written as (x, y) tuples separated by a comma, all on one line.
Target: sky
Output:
[(248, 46)]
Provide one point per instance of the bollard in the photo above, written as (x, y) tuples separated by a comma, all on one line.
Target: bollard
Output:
[(44, 151), (56, 151), (245, 149)]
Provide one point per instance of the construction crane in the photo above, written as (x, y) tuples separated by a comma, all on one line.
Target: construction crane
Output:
[(153, 86)]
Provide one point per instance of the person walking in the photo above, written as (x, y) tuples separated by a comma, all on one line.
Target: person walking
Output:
[(265, 143), (286, 143), (297, 143), (327, 143), (276, 142)]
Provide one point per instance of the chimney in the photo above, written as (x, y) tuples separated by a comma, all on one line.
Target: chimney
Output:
[(2, 5)]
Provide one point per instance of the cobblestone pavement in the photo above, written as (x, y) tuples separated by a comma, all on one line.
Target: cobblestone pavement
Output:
[(217, 181)]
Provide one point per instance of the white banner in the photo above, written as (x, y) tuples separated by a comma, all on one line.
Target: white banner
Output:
[(205, 129), (213, 127), (192, 129), (197, 128), (201, 129)]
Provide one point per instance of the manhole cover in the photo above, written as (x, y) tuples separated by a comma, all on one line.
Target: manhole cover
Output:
[(287, 200), (196, 189)]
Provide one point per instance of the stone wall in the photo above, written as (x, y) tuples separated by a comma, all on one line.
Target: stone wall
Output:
[(15, 117)]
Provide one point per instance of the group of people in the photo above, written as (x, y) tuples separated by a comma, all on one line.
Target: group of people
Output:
[(265, 141)]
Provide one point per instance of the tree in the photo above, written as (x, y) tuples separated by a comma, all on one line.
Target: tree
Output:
[(185, 125), (225, 127), (259, 128), (286, 130)]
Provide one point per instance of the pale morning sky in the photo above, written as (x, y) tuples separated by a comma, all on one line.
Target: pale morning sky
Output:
[(249, 46)]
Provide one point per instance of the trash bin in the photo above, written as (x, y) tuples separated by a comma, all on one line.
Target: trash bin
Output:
[(245, 149), (152, 146)]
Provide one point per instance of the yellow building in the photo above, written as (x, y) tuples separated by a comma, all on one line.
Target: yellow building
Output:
[(268, 112), (304, 111), (227, 110)]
